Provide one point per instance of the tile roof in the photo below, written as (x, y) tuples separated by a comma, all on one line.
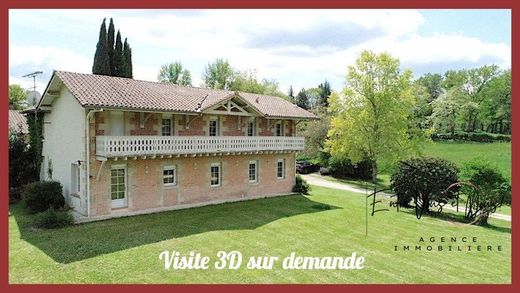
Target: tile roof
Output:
[(17, 121), (117, 92)]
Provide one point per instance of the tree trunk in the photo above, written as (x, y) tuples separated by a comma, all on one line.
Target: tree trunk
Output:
[(374, 172)]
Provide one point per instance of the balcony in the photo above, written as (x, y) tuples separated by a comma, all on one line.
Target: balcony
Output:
[(160, 146)]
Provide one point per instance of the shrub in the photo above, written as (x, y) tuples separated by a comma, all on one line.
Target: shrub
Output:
[(21, 168), (40, 196), (489, 189), (343, 168), (424, 180), (51, 219), (472, 136), (301, 186)]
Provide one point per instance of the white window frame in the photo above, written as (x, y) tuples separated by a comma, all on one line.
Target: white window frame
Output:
[(119, 202), (219, 175), (217, 126), (75, 179), (173, 176), (171, 125), (255, 163), (251, 122), (280, 124), (283, 168)]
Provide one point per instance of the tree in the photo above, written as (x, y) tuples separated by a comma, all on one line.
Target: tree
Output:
[(17, 96), (433, 84), (315, 133), (127, 58), (290, 94), (247, 81), (218, 75), (174, 73), (118, 60), (371, 115), (302, 100), (325, 92), (495, 108), (110, 45), (101, 57)]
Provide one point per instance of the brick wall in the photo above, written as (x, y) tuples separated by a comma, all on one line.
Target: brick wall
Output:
[(146, 189)]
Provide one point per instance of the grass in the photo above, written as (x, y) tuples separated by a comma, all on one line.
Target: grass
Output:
[(327, 223), (498, 153)]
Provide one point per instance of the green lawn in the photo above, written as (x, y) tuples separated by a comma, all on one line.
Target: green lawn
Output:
[(327, 223), (498, 153)]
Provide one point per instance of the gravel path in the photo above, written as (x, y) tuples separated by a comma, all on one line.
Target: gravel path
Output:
[(318, 180)]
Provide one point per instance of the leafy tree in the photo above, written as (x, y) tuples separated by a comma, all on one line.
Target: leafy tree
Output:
[(444, 113), (371, 115), (17, 96), (302, 100), (101, 57), (424, 180), (433, 84), (218, 75), (127, 58), (325, 91), (247, 81), (20, 164), (313, 97), (423, 108), (495, 108), (487, 190), (174, 73), (315, 133)]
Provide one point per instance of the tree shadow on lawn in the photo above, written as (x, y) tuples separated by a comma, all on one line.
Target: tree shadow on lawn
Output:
[(88, 240), (456, 219)]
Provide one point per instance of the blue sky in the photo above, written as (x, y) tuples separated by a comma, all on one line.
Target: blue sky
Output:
[(296, 47)]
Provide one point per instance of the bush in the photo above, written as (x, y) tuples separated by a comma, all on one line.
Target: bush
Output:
[(51, 219), (343, 168), (472, 136), (301, 185), (21, 167), (424, 180), (489, 189), (40, 196)]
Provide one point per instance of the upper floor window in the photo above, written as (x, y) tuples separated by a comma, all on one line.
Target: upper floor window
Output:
[(213, 127), (215, 174), (251, 129), (279, 128), (167, 127), (253, 171), (169, 176), (280, 169)]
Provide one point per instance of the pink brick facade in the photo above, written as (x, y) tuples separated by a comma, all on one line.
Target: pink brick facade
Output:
[(145, 188)]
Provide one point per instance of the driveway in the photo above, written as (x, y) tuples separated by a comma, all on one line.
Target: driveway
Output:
[(318, 180)]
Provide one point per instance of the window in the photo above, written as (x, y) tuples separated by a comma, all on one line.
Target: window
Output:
[(279, 128), (118, 188), (169, 176), (213, 127), (253, 171), (280, 169), (215, 174), (166, 128), (75, 184), (251, 128)]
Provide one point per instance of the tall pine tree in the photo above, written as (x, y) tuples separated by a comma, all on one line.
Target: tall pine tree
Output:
[(101, 58), (118, 57), (291, 94), (110, 42), (112, 57), (127, 59), (302, 99), (325, 92)]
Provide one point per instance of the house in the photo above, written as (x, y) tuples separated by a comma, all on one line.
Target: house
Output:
[(122, 146), (18, 122)]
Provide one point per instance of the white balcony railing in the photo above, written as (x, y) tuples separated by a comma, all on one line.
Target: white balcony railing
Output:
[(121, 146)]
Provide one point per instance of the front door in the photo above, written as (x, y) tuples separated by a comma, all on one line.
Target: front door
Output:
[(118, 188)]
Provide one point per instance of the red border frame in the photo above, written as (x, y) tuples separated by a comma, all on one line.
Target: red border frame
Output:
[(4, 80)]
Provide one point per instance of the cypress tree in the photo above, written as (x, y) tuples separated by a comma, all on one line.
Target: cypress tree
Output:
[(101, 59), (118, 57), (127, 58), (110, 42)]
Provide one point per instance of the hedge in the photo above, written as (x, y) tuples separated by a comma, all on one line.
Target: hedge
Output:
[(472, 136)]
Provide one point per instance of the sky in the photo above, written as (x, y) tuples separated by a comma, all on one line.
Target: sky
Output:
[(301, 48)]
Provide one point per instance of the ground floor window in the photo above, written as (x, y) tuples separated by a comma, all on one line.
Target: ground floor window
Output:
[(253, 171), (216, 173), (169, 176), (280, 169), (118, 186), (75, 184)]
